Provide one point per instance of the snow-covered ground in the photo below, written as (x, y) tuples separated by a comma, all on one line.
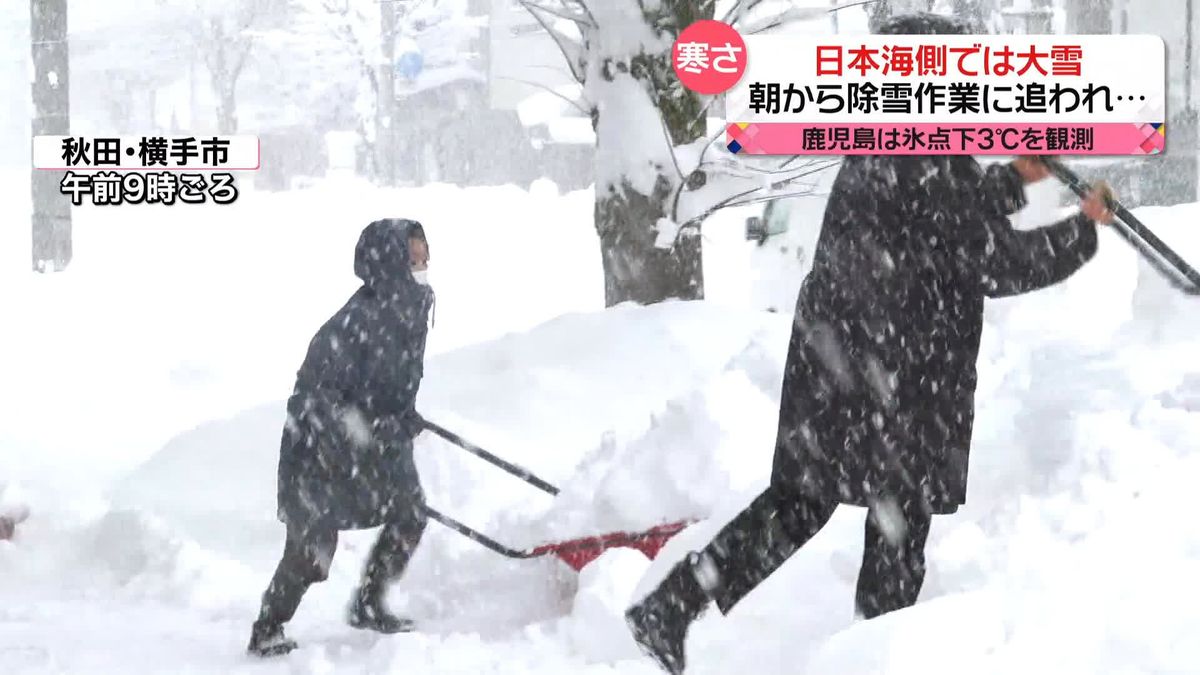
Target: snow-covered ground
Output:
[(143, 394)]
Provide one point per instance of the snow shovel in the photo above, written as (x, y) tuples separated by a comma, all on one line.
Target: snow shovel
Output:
[(575, 552), (1169, 263)]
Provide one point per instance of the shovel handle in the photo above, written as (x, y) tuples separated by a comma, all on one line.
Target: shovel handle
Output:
[(520, 472), (481, 538), (1163, 257)]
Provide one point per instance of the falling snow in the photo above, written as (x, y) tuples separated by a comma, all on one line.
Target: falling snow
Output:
[(147, 385)]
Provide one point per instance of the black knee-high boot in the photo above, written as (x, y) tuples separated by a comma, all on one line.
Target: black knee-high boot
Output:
[(306, 559), (387, 561), (742, 555), (660, 622)]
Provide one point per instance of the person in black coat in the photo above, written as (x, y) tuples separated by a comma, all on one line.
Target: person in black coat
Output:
[(346, 457), (877, 401)]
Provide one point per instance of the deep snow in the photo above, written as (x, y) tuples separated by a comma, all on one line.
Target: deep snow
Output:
[(144, 392)]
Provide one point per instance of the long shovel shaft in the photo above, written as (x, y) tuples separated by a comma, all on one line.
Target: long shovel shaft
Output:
[(520, 472), (1160, 254), (481, 538)]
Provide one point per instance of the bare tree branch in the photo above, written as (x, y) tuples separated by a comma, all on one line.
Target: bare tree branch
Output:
[(575, 104), (786, 16), (789, 160), (735, 13), (773, 196), (749, 172), (543, 66), (738, 199), (571, 51), (582, 4), (859, 3), (736, 161), (733, 159), (737, 9), (580, 18)]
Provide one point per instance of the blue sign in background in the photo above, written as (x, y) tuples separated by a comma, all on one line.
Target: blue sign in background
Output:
[(409, 64)]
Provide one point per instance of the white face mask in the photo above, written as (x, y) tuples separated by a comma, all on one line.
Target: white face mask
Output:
[(421, 277)]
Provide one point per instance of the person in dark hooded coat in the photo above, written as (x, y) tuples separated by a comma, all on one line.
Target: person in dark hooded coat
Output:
[(877, 401), (346, 456)]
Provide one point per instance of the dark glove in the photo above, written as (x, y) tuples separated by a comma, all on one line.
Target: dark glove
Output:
[(412, 422), (399, 426)]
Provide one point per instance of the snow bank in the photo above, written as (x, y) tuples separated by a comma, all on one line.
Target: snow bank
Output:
[(545, 398), (143, 558), (596, 626), (216, 482), (628, 409), (1079, 586), (714, 440)]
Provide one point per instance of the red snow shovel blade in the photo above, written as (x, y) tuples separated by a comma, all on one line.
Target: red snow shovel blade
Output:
[(576, 552), (579, 552)]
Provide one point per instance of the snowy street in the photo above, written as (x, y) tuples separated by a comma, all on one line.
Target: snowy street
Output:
[(143, 392)]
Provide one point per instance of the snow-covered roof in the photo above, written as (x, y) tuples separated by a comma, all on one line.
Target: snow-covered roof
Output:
[(435, 77)]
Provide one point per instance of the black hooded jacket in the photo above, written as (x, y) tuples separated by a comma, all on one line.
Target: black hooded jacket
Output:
[(878, 391), (346, 454)]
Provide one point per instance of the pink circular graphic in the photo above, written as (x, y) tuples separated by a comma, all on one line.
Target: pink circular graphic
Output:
[(709, 57)]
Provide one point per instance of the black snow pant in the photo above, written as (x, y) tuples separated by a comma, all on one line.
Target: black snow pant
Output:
[(308, 553), (781, 520)]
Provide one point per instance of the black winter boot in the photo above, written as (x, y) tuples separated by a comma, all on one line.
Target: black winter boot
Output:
[(660, 622), (368, 613), (267, 639)]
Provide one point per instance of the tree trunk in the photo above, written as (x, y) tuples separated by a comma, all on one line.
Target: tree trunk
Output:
[(1089, 17), (631, 82), (227, 110), (224, 70), (385, 104), (51, 117)]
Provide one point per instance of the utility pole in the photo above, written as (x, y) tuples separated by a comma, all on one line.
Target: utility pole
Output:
[(1189, 33), (51, 117), (385, 106)]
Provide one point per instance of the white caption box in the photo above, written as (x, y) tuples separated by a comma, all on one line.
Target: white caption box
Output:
[(147, 153)]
